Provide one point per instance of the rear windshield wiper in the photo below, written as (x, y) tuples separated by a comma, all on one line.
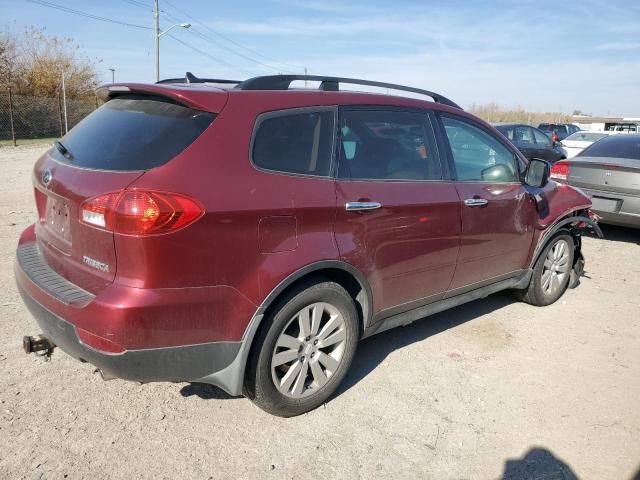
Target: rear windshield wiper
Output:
[(63, 150)]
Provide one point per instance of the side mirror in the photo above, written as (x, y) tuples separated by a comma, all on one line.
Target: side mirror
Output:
[(537, 173)]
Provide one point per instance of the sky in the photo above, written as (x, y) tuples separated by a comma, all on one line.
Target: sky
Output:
[(539, 55)]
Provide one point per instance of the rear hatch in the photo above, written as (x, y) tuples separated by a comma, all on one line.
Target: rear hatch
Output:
[(104, 153)]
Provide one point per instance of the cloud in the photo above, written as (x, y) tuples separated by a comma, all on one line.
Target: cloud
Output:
[(597, 86)]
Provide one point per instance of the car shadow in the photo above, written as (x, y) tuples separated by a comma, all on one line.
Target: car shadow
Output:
[(540, 463), (372, 351), (621, 234), (205, 392)]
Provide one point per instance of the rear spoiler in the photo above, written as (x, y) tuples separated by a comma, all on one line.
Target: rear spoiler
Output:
[(206, 99)]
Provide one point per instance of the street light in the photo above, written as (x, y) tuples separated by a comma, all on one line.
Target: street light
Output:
[(159, 33), (113, 75), (183, 25)]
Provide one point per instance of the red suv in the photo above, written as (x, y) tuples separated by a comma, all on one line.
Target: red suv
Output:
[(248, 235)]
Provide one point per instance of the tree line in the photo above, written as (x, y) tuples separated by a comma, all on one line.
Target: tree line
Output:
[(494, 113), (32, 62)]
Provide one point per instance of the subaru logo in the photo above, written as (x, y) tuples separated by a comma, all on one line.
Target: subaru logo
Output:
[(47, 176)]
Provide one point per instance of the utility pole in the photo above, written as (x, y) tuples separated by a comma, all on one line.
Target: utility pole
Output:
[(113, 75), (157, 34), (156, 14), (64, 103)]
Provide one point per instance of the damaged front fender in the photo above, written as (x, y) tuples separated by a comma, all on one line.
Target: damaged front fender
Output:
[(577, 224)]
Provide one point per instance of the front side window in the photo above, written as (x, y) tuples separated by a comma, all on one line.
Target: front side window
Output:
[(295, 142), (387, 145), (478, 156)]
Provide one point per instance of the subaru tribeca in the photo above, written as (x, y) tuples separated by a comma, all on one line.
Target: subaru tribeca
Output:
[(249, 234)]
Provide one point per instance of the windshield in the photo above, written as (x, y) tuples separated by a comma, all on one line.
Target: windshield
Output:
[(585, 137)]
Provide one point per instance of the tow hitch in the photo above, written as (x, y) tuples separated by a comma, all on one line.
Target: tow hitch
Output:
[(38, 344)]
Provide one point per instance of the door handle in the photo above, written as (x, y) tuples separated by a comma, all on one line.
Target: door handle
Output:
[(475, 202), (360, 206)]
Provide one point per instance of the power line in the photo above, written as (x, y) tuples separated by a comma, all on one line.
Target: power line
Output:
[(138, 4), (202, 52), (207, 38), (62, 8), (230, 40)]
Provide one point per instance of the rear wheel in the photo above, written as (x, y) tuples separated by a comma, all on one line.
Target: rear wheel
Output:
[(305, 350), (551, 272)]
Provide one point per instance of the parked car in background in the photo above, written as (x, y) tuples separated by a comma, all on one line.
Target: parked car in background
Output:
[(248, 235), (531, 142), (576, 142), (625, 128), (558, 131), (609, 171)]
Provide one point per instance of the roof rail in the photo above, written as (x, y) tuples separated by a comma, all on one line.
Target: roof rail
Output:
[(191, 78), (283, 82)]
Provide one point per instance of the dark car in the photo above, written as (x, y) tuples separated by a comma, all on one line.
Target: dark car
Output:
[(248, 235), (532, 142), (609, 171), (558, 131)]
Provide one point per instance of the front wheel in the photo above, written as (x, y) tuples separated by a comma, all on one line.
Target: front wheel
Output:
[(551, 272), (304, 351)]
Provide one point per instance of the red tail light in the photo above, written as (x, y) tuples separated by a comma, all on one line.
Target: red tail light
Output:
[(560, 171), (140, 212)]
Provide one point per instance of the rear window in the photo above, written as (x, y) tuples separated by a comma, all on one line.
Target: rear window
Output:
[(295, 141), (133, 132), (550, 127), (617, 146)]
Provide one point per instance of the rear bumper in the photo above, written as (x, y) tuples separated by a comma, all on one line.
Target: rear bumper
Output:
[(625, 213), (146, 335), (174, 364)]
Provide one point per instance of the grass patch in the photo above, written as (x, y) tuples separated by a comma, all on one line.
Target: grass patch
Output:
[(28, 141)]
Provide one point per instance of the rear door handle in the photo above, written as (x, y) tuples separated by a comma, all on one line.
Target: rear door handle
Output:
[(360, 206), (475, 202)]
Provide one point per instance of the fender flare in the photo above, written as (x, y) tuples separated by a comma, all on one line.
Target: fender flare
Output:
[(231, 378), (591, 224), (316, 267)]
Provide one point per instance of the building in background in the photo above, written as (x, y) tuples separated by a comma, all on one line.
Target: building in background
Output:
[(606, 124)]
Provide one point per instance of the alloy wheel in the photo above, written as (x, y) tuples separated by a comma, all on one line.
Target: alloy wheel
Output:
[(309, 350), (556, 268)]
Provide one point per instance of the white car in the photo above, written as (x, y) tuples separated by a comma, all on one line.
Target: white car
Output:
[(576, 142)]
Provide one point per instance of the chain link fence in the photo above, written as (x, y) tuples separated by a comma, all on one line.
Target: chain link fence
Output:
[(24, 117)]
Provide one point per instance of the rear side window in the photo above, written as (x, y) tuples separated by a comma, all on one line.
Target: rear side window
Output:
[(133, 132), (541, 138), (387, 145), (295, 142), (616, 146)]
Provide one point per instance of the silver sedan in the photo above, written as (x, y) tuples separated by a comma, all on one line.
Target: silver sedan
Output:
[(609, 171)]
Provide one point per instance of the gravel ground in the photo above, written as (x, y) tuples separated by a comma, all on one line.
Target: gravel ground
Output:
[(492, 389)]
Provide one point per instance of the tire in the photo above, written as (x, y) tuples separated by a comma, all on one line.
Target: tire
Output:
[(551, 273), (303, 350)]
